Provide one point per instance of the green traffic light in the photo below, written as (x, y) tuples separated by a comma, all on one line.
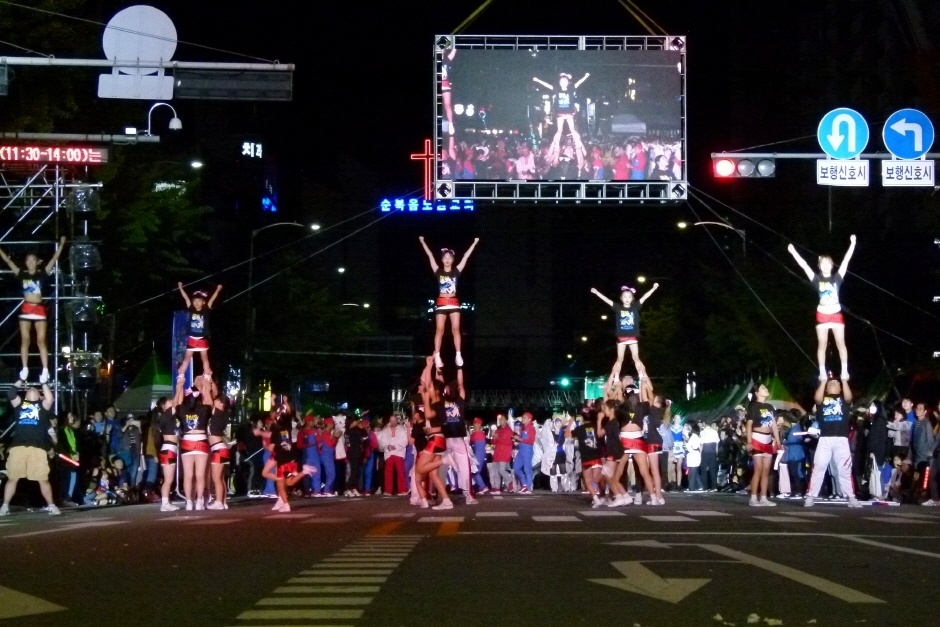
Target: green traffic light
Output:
[(565, 382)]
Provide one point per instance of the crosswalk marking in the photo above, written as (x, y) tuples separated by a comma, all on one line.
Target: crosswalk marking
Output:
[(784, 519), (556, 519), (702, 512), (341, 579), (316, 601), (497, 514), (670, 519), (299, 614), (324, 521), (212, 521), (601, 513), (327, 590), (815, 515), (393, 515), (288, 516), (346, 563)]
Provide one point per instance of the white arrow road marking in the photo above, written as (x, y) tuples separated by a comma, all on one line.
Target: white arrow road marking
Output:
[(639, 579), (823, 585), (14, 604), (902, 126), (836, 137)]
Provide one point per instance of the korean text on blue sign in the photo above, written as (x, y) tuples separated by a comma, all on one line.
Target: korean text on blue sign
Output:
[(416, 205)]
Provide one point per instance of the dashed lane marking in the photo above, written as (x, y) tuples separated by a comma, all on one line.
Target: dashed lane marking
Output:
[(288, 516), (784, 519), (556, 519), (441, 519), (324, 521), (898, 521), (601, 513), (497, 514), (69, 527), (670, 519), (341, 579), (393, 515), (702, 512)]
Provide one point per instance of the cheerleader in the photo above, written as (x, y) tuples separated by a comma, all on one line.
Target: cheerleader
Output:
[(198, 328), (193, 414), (565, 110), (430, 458), (447, 305), (630, 415), (763, 441), (653, 405), (447, 70), (829, 311), (167, 426), (33, 313), (627, 326), (219, 452)]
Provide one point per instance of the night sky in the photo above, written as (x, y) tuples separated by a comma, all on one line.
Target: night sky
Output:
[(758, 73)]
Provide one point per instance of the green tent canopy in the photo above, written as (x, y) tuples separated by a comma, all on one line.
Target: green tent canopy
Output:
[(148, 386)]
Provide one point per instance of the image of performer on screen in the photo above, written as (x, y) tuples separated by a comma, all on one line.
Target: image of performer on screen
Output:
[(447, 96), (565, 110)]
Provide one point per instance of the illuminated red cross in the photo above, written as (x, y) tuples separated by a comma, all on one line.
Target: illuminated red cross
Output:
[(428, 158)]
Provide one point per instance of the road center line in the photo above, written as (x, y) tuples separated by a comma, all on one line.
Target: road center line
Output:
[(901, 549)]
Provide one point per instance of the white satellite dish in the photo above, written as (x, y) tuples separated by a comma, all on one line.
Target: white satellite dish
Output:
[(138, 34)]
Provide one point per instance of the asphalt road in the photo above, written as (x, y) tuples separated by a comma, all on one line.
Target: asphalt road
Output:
[(539, 560)]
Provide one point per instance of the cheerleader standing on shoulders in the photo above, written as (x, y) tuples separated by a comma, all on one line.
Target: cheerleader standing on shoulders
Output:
[(447, 304), (627, 326)]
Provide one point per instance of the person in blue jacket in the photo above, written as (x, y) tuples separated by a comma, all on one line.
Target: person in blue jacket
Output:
[(795, 458)]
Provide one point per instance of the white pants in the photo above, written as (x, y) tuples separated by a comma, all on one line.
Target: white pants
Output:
[(458, 457), (836, 449)]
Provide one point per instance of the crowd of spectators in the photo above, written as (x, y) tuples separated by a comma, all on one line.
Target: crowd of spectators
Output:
[(108, 459), (512, 157)]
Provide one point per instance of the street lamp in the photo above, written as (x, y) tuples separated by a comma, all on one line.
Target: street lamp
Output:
[(341, 270), (195, 164), (175, 124), (682, 225), (723, 225), (641, 279)]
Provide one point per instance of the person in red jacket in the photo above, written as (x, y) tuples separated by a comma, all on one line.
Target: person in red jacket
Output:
[(523, 467), (326, 443), (502, 455)]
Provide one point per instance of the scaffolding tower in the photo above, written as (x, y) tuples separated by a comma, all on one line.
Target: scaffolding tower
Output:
[(39, 203)]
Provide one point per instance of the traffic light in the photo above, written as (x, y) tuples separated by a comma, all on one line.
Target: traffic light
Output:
[(729, 168), (565, 382)]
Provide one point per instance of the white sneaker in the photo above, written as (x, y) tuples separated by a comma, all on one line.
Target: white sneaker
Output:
[(53, 510), (277, 506), (459, 360), (808, 502), (764, 502), (853, 503), (4, 510), (754, 503), (438, 361), (423, 503), (215, 505), (596, 502), (189, 506), (659, 501), (472, 501), (24, 373), (168, 507), (931, 503), (285, 509), (638, 499), (44, 376), (415, 501), (445, 504)]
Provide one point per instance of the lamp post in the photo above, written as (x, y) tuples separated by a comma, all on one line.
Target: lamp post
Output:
[(175, 123), (250, 331), (740, 232)]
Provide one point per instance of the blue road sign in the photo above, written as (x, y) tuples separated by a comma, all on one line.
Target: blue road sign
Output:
[(908, 134), (843, 133)]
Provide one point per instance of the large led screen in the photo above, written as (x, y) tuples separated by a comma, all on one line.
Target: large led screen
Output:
[(557, 115)]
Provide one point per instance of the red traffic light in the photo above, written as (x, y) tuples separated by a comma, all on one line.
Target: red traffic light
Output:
[(724, 167)]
